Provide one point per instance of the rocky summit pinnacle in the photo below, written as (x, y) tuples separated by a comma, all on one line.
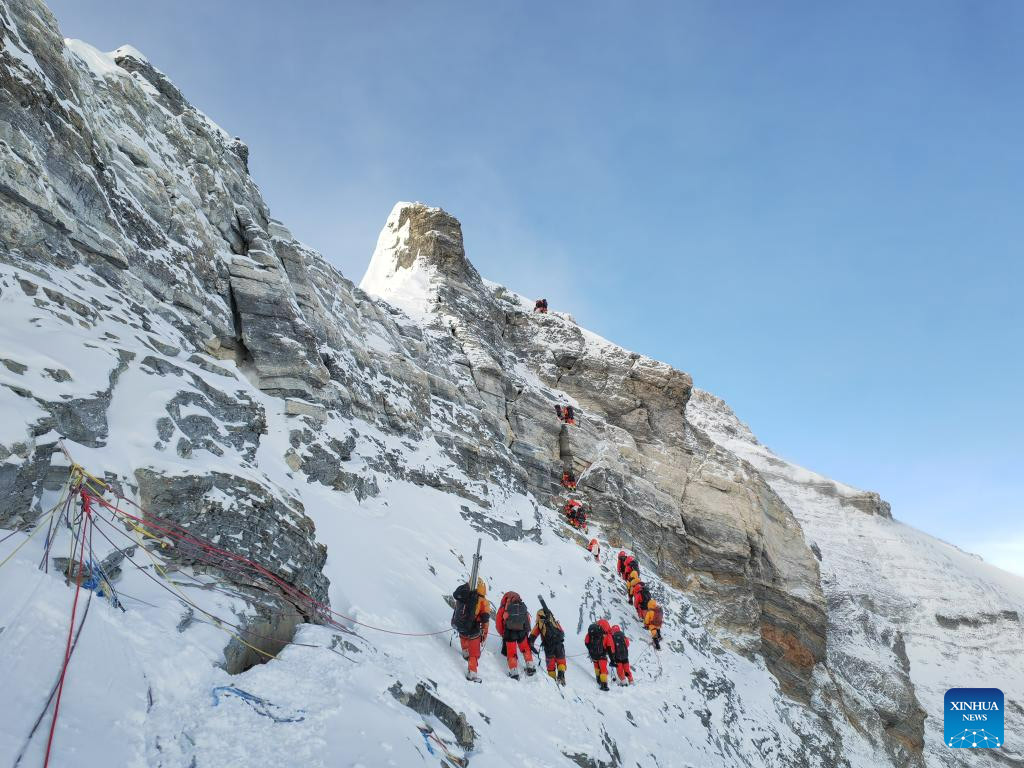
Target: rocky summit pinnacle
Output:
[(172, 337)]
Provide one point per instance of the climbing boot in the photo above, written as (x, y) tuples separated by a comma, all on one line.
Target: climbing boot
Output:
[(514, 674), (604, 686), (531, 670), (561, 677), (472, 676)]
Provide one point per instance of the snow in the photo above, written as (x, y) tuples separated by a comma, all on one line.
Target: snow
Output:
[(916, 580), (407, 289), (129, 50), (98, 63), (391, 560)]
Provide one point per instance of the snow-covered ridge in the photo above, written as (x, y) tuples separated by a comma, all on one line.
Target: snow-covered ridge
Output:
[(192, 352)]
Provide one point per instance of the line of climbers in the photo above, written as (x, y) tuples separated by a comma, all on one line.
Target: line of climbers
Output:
[(647, 609), (604, 643), (472, 617)]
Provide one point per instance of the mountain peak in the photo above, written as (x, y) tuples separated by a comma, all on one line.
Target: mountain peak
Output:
[(418, 247)]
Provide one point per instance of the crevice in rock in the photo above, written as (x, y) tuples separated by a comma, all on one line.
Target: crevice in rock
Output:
[(242, 354)]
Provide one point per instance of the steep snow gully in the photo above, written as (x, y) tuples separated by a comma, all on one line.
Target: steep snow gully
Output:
[(285, 468)]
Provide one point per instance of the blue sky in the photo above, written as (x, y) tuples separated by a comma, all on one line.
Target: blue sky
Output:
[(814, 208)]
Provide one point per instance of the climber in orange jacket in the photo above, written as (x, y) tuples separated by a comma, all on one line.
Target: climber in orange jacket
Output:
[(576, 514), (599, 647), (513, 623), (541, 305), (569, 480), (641, 595), (629, 565), (653, 620), (631, 581), (552, 640), (594, 547), (620, 564), (566, 413), (472, 619), (620, 651)]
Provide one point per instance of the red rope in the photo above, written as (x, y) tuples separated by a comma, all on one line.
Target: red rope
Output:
[(167, 527), (71, 627)]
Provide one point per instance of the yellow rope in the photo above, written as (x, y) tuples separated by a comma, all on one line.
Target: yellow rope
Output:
[(39, 525), (216, 622), (44, 518)]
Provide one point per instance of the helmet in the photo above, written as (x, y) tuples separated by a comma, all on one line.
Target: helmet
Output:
[(603, 623), (652, 603), (622, 554), (616, 628), (481, 587)]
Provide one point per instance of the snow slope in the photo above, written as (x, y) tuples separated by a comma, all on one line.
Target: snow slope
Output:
[(959, 617), (168, 332)]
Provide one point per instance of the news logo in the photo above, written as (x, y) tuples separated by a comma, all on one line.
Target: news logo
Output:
[(973, 718)]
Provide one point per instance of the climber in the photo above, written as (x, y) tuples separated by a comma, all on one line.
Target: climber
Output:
[(631, 581), (594, 547), (566, 413), (629, 565), (641, 597), (541, 305), (653, 620), (620, 644), (472, 620), (620, 564), (552, 640), (600, 648), (575, 514), (569, 480), (513, 623)]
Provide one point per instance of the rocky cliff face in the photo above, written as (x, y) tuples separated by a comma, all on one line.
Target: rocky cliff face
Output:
[(185, 344), (704, 519)]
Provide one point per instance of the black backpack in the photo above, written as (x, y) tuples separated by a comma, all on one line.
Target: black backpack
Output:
[(621, 649), (553, 635), (517, 618), (464, 614), (645, 596), (595, 641)]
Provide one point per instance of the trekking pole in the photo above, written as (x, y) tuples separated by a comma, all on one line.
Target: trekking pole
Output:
[(476, 566)]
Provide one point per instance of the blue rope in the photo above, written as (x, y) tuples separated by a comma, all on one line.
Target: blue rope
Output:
[(260, 706)]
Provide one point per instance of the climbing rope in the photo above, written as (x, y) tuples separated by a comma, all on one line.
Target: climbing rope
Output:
[(68, 650), (156, 528)]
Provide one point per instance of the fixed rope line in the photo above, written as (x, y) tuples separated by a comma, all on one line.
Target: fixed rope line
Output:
[(71, 626), (147, 522), (217, 621), (28, 538)]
